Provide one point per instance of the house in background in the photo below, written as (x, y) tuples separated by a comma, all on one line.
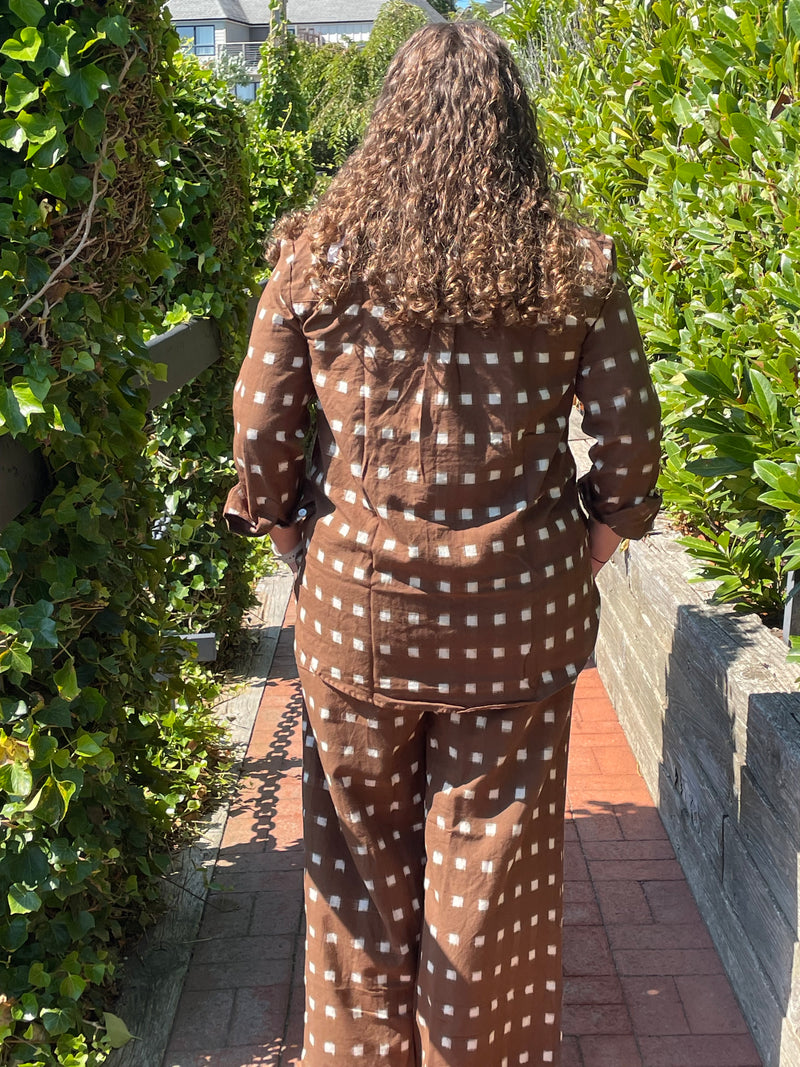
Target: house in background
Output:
[(213, 28)]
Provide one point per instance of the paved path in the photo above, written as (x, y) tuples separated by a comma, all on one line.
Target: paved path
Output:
[(643, 984)]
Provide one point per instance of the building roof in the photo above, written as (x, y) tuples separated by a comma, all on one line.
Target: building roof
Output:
[(306, 11), (256, 12), (201, 10)]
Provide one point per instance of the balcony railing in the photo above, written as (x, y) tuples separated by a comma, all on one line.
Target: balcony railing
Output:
[(250, 51)]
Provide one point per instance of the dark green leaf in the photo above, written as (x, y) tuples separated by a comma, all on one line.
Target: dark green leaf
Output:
[(117, 28), (30, 11)]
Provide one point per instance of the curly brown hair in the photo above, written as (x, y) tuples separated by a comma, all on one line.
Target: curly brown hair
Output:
[(448, 210)]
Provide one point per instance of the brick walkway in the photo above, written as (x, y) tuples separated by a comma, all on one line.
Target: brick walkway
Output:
[(643, 984)]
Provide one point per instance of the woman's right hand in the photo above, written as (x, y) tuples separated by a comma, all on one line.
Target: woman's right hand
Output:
[(603, 543)]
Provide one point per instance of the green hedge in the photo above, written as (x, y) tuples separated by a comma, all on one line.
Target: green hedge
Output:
[(339, 83), (676, 128), (125, 174)]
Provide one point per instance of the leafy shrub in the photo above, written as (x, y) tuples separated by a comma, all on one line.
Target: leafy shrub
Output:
[(213, 250), (677, 129), (280, 100), (123, 202), (231, 69), (545, 34), (340, 82), (282, 172)]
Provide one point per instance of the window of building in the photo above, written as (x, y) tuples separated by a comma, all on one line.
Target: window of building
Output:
[(246, 92), (198, 39)]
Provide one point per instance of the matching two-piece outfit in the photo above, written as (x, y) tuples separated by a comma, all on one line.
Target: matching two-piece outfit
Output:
[(445, 608)]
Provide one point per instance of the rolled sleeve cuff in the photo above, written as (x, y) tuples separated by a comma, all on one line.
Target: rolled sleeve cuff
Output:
[(237, 515), (631, 521)]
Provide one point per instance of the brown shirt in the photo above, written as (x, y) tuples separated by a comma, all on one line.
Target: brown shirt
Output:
[(448, 560)]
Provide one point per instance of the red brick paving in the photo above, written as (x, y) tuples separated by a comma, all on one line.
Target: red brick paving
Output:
[(643, 984)]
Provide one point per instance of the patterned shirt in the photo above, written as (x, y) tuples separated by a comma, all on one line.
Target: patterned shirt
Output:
[(447, 558)]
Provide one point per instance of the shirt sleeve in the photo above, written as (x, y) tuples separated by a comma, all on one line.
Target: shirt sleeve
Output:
[(271, 411), (622, 413)]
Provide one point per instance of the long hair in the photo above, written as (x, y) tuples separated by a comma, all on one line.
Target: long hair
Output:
[(447, 210)]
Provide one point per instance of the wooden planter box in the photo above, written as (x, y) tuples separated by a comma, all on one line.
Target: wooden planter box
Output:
[(712, 712)]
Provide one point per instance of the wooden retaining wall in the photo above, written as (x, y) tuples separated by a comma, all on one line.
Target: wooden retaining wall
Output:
[(712, 712)]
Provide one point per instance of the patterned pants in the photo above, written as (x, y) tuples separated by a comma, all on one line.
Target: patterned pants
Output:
[(434, 872)]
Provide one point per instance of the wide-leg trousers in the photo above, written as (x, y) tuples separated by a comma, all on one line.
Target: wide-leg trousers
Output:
[(434, 882)]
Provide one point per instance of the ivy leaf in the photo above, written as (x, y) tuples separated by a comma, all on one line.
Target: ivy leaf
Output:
[(38, 618), (51, 181), (117, 1032), (19, 92), (16, 780), (61, 574), (12, 135), (29, 403), (10, 415), (72, 986), (29, 866), (11, 659), (50, 803), (67, 682), (50, 153), (56, 1020), (22, 901), (25, 46), (30, 11), (84, 84), (116, 28), (11, 710), (86, 745), (14, 934), (40, 129)]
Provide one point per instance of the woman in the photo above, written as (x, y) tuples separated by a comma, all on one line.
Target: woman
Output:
[(444, 315)]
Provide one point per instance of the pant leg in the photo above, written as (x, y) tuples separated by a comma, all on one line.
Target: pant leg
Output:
[(489, 978), (363, 797)]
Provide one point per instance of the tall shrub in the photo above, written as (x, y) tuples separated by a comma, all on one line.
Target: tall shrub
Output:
[(119, 196), (678, 131), (213, 250), (340, 82), (282, 170)]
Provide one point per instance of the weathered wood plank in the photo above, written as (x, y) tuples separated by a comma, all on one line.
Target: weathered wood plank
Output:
[(23, 479), (664, 706), (768, 931), (693, 819), (773, 848), (649, 621), (765, 1015), (715, 710), (773, 752), (187, 350)]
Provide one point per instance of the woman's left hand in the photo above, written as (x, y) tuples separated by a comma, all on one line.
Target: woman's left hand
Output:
[(288, 545)]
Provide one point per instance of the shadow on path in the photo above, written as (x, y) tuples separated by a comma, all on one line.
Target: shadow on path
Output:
[(643, 984)]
